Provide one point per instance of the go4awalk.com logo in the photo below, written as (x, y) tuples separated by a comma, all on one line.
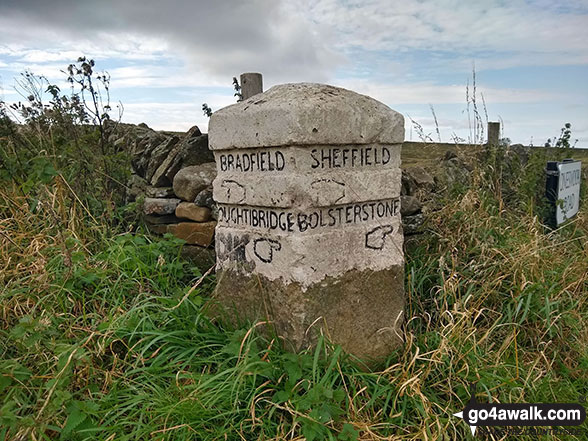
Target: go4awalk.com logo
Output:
[(478, 414)]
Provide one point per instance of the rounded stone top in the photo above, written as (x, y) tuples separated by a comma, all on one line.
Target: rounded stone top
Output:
[(304, 114)]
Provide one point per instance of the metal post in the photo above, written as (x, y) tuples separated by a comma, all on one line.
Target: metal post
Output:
[(493, 133), (251, 84)]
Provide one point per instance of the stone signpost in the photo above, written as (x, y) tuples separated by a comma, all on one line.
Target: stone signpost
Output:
[(309, 234)]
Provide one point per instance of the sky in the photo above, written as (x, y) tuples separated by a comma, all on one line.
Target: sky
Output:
[(166, 58)]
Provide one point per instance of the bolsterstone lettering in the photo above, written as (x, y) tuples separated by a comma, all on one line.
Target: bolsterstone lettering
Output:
[(288, 221), (253, 161), (329, 157)]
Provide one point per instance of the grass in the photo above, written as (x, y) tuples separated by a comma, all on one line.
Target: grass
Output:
[(428, 154), (102, 334)]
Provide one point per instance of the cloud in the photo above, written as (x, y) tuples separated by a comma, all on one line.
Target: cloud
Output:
[(41, 56), (174, 116), (300, 40), (430, 93), (162, 76), (405, 53), (221, 38), (491, 30)]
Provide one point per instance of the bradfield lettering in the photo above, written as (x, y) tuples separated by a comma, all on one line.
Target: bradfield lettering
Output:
[(289, 221), (251, 162), (329, 157)]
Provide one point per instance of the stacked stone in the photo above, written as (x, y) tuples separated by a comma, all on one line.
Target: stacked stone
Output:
[(424, 190), (173, 173), (186, 209)]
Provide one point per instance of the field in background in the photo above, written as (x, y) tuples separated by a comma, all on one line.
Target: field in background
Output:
[(102, 335), (428, 154)]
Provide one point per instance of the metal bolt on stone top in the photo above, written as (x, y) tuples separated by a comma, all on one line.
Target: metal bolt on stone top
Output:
[(251, 84)]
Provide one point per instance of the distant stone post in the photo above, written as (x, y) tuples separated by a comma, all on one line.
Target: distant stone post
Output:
[(493, 133), (309, 234), (251, 84)]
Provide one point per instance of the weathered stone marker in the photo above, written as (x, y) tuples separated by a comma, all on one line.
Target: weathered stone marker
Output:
[(309, 231)]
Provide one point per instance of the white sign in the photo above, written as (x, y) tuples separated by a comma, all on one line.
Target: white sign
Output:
[(568, 190)]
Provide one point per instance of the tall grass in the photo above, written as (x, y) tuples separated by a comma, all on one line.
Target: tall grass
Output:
[(99, 341)]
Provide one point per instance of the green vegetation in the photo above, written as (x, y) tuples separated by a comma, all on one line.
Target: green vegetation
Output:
[(102, 335), (564, 138)]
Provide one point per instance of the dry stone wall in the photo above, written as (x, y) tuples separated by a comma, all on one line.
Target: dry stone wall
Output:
[(172, 175)]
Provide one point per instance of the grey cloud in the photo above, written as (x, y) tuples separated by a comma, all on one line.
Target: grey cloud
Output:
[(504, 31), (223, 38)]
